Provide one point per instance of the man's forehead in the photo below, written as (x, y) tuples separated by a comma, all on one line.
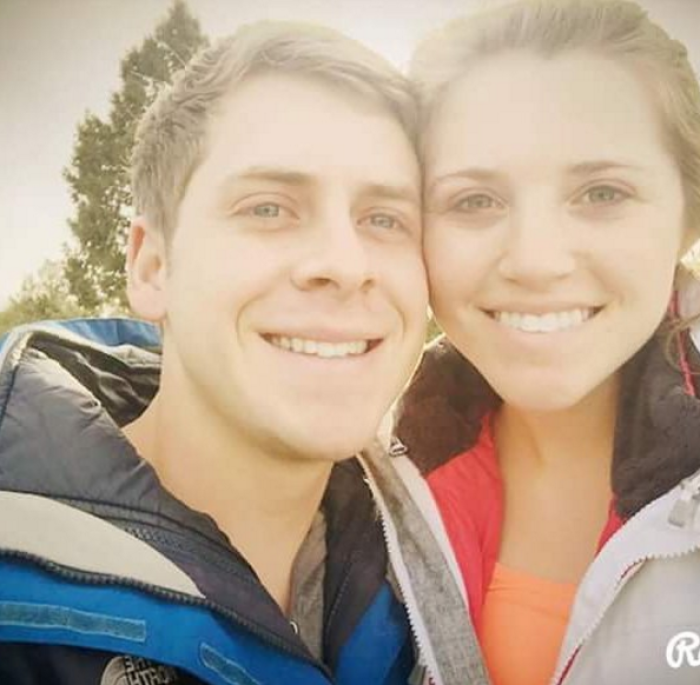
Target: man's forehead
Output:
[(296, 131)]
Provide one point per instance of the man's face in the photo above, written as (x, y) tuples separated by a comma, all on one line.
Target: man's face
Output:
[(295, 294)]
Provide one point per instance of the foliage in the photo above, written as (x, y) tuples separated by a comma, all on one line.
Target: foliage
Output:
[(46, 296), (98, 174), (433, 329)]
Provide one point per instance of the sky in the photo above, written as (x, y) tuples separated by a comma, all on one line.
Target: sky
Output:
[(60, 59)]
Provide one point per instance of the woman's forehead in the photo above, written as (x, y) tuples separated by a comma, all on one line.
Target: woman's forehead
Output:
[(577, 106)]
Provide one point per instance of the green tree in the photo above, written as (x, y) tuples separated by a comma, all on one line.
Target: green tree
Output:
[(98, 174), (45, 296), (433, 329)]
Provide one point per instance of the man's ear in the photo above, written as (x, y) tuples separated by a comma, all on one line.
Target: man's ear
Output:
[(691, 238), (146, 271)]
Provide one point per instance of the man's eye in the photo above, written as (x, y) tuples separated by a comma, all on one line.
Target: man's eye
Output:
[(385, 221), (603, 195), (265, 215), (476, 202), (266, 210)]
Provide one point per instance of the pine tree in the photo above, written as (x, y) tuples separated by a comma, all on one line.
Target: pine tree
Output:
[(99, 171)]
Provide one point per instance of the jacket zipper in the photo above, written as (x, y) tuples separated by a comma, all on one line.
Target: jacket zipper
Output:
[(562, 673), (686, 505), (682, 515), (423, 672)]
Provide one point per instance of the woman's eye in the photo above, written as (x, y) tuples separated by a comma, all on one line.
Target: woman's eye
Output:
[(603, 195)]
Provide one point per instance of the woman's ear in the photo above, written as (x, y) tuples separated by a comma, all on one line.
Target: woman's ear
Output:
[(146, 271)]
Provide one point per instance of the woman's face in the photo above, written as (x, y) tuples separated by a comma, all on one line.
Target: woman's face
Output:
[(554, 222)]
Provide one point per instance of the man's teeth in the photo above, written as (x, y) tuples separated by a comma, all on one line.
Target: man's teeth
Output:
[(319, 348), (545, 323)]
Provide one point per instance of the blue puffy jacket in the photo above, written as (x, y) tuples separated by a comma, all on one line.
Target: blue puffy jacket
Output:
[(106, 578)]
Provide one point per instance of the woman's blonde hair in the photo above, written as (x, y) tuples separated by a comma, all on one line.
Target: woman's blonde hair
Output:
[(618, 29), (170, 139)]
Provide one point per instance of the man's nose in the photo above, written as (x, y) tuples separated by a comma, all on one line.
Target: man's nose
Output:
[(337, 257)]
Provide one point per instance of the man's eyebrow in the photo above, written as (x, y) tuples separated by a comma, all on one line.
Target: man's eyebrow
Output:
[(388, 191), (482, 174), (282, 175), (293, 177)]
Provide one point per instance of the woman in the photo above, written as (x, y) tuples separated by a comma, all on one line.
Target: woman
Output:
[(562, 158)]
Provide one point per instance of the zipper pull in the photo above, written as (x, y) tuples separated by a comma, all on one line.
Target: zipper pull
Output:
[(683, 512), (418, 675), (397, 449)]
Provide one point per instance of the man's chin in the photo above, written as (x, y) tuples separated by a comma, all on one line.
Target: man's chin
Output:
[(330, 446), (331, 429)]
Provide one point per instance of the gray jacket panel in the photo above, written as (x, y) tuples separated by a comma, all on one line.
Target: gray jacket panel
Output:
[(646, 637), (636, 616)]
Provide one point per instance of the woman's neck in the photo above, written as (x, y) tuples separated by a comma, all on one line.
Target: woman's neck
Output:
[(555, 469), (563, 439)]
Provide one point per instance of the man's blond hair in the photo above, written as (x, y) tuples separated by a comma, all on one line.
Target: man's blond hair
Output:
[(170, 140)]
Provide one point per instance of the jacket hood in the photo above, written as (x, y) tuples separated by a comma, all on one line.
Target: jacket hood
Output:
[(62, 401), (657, 436)]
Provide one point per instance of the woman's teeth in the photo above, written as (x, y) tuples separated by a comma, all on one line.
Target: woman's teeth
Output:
[(543, 323)]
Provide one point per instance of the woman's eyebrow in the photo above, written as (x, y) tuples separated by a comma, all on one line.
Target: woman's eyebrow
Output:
[(489, 175), (588, 168)]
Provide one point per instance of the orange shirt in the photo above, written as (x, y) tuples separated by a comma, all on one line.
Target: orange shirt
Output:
[(523, 624)]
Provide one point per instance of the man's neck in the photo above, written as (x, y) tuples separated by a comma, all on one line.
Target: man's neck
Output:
[(264, 502)]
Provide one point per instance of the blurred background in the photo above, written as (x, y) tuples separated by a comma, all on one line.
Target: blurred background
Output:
[(75, 75)]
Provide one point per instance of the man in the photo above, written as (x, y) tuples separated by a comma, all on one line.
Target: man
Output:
[(195, 517)]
